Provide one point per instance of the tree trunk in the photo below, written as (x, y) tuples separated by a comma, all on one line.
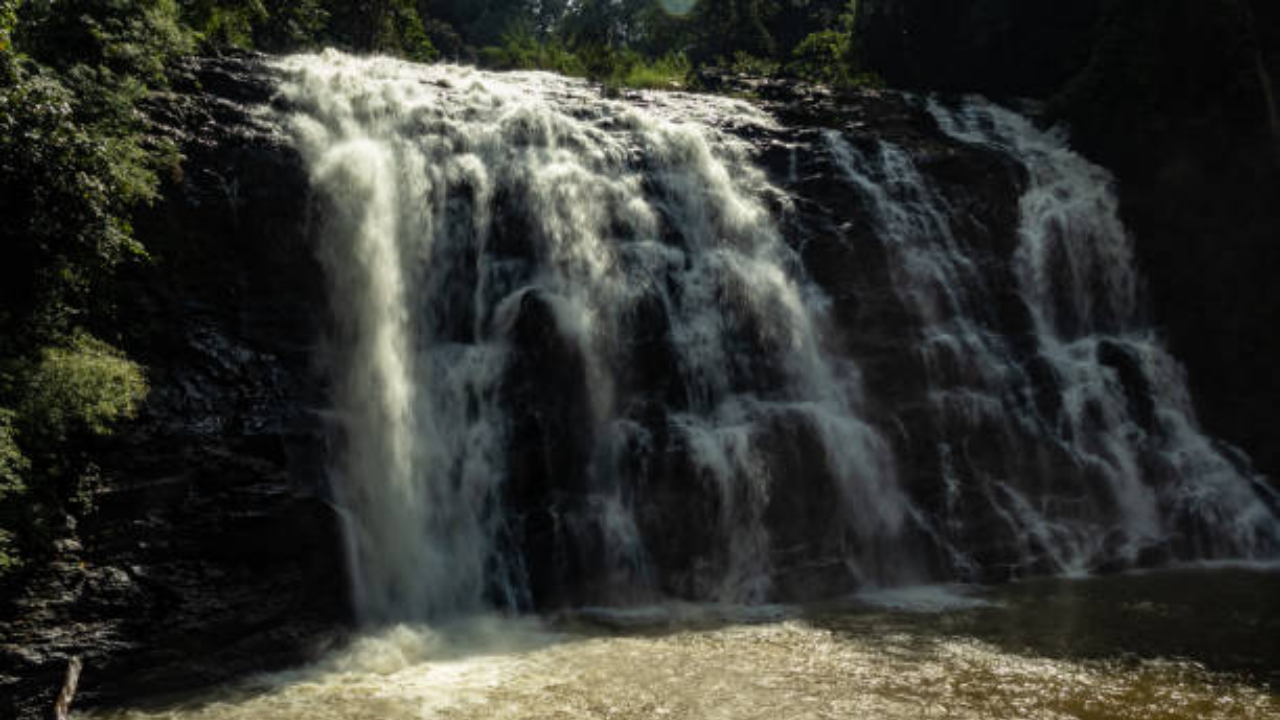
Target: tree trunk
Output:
[(62, 708)]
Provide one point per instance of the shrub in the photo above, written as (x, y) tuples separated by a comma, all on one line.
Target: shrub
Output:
[(830, 57), (520, 50), (671, 71), (612, 66), (747, 64), (127, 37), (822, 57), (13, 464), (229, 24), (291, 24), (14, 467), (64, 395), (404, 34), (83, 388)]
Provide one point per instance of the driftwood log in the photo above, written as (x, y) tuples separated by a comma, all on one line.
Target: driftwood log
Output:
[(62, 708)]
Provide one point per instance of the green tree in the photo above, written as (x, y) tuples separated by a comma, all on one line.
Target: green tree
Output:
[(66, 187), (226, 22), (8, 19), (292, 24), (727, 27), (832, 55), (134, 38), (403, 33), (74, 163)]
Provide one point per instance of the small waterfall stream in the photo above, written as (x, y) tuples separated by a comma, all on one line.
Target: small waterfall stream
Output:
[(578, 359)]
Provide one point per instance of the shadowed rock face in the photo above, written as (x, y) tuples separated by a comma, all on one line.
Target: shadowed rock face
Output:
[(212, 551)]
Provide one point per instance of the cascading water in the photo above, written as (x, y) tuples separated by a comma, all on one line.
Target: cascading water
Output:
[(578, 358), (537, 292), (1076, 271), (1093, 398)]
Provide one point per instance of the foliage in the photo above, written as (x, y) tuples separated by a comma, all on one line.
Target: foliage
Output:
[(82, 388), (520, 50), (832, 55), (403, 33), (622, 42), (74, 163), (8, 19), (291, 24), (623, 67), (226, 22), (614, 67), (65, 188), (747, 64), (1151, 61), (125, 38), (63, 395), (822, 57), (13, 470), (670, 71), (728, 27), (13, 464)]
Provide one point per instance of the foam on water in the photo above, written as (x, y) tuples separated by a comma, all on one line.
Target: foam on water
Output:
[(957, 660), (924, 598)]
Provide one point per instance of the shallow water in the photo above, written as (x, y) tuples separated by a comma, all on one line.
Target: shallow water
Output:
[(1186, 644)]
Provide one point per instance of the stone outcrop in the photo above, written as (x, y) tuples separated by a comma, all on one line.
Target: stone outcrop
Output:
[(212, 551)]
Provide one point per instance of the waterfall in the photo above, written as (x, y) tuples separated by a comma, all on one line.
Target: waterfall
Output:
[(1095, 399), (1076, 270), (533, 288), (577, 357)]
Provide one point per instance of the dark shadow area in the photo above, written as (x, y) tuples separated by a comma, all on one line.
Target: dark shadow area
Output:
[(1228, 621)]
